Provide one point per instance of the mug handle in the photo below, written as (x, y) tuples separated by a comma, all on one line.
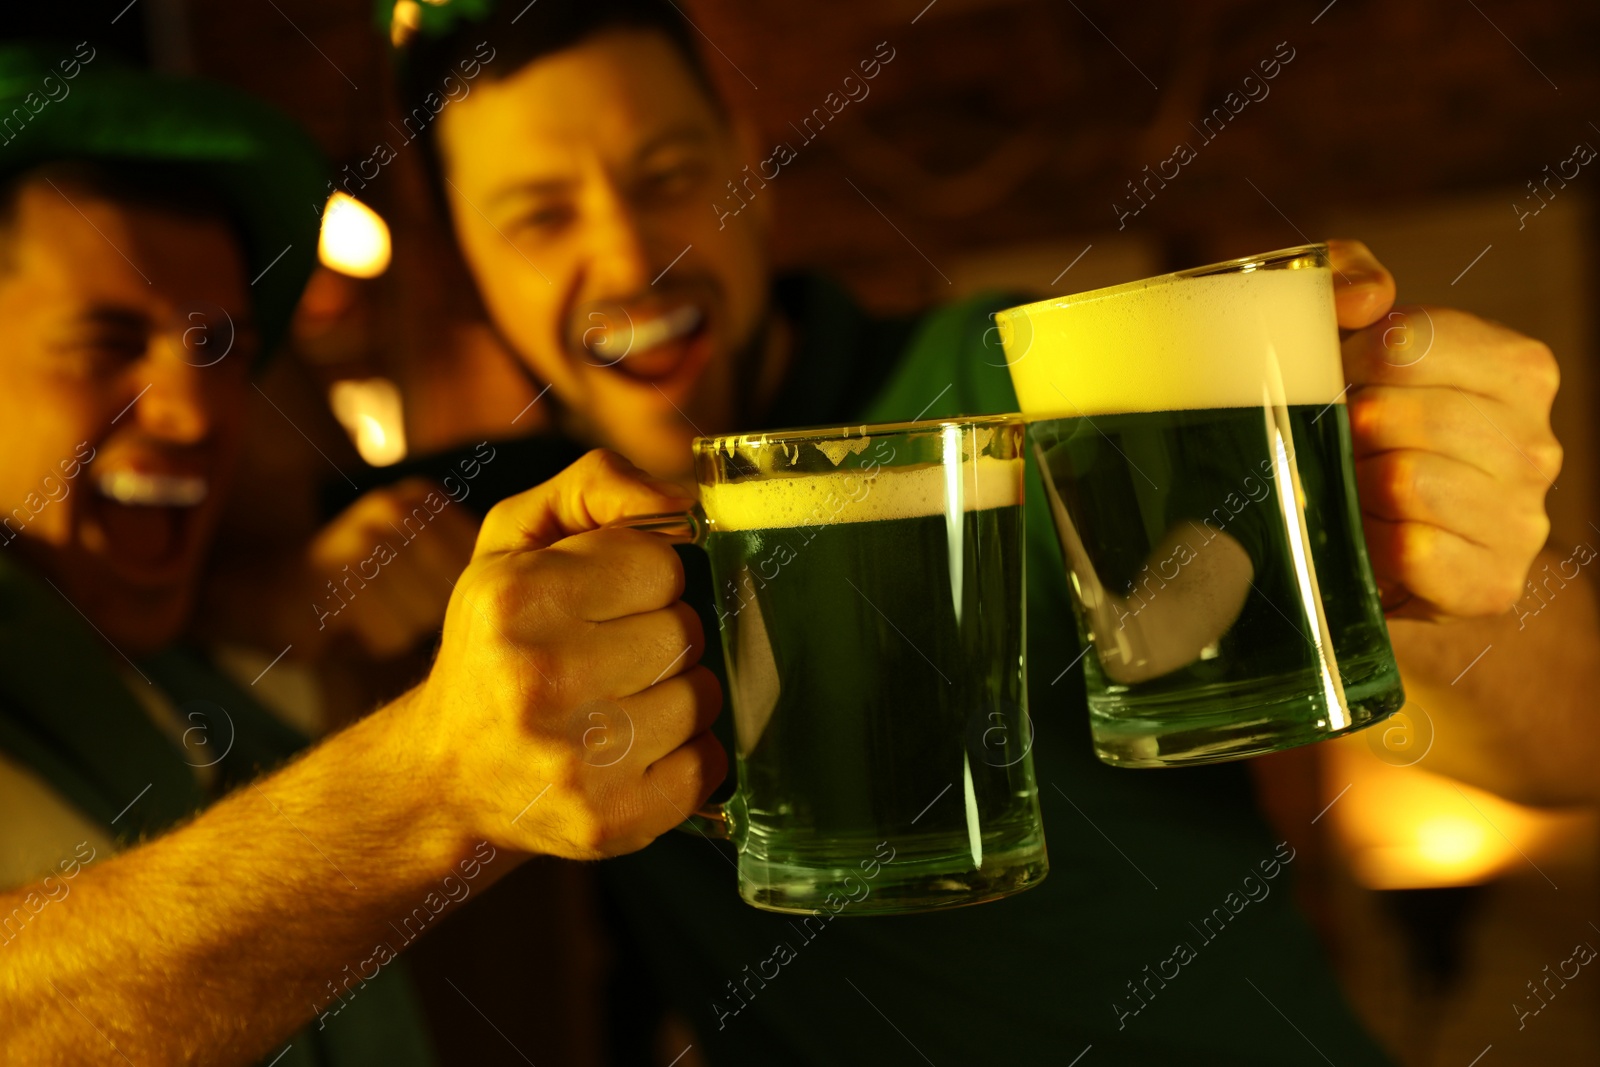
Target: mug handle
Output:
[(683, 527), (709, 821)]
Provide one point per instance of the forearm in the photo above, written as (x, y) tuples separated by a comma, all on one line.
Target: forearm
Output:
[(1512, 698), (214, 943)]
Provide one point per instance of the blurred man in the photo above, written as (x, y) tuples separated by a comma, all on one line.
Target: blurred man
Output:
[(590, 175), (153, 238)]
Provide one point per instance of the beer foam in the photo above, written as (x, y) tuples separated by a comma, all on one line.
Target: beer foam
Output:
[(787, 501), (1178, 344)]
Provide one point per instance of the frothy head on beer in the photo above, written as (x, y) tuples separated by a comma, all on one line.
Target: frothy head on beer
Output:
[(1235, 334), (861, 491)]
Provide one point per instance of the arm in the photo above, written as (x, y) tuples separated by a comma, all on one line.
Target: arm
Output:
[(1450, 420), (1520, 721), (214, 942)]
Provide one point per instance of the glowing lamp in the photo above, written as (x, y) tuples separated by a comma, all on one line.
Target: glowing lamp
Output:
[(355, 239), (370, 411)]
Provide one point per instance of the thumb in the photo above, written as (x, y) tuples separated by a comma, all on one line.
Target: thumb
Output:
[(1363, 289), (600, 488)]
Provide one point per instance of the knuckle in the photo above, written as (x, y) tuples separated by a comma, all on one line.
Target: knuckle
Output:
[(1393, 337), (665, 654), (1537, 365), (646, 563), (564, 773), (1401, 484), (690, 629), (549, 586), (602, 462), (1363, 407), (500, 599), (1404, 325), (605, 733), (1503, 589), (659, 552), (545, 668), (528, 678), (1412, 549), (706, 688), (1520, 531), (1372, 411), (706, 771), (1535, 531), (553, 601), (588, 829), (1352, 254), (499, 514), (1547, 455), (715, 767)]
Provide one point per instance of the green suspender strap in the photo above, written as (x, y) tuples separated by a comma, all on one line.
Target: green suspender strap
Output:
[(66, 713)]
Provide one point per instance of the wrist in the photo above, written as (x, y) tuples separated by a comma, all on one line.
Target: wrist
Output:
[(406, 771)]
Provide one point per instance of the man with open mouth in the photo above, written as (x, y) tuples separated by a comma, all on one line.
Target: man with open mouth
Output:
[(590, 177), (168, 892)]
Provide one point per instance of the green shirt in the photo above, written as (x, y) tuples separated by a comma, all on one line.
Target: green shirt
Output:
[(1164, 933), (67, 714)]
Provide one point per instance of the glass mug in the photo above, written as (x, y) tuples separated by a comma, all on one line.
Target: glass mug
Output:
[(1192, 434), (870, 599)]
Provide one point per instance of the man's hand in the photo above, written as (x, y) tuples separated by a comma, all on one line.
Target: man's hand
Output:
[(382, 570), (176, 951), (1454, 454), (566, 709), (1450, 416)]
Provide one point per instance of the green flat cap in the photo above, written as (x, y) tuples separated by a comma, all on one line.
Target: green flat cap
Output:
[(65, 102)]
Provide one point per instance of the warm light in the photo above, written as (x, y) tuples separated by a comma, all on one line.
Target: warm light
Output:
[(370, 411), (355, 239), (1449, 841), (1402, 827), (371, 435), (406, 21)]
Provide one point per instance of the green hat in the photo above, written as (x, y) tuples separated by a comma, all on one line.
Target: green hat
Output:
[(60, 103)]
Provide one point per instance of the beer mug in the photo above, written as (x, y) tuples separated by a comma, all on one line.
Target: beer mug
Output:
[(1192, 434), (870, 599)]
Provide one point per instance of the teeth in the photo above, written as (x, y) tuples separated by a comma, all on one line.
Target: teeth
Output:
[(152, 490), (668, 327)]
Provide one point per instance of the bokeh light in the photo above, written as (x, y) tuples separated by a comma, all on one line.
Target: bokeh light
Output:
[(370, 411), (355, 239)]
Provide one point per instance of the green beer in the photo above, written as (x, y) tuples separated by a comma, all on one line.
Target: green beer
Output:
[(1195, 449), (869, 599)]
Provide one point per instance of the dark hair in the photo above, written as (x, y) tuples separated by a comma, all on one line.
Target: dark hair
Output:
[(520, 33)]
